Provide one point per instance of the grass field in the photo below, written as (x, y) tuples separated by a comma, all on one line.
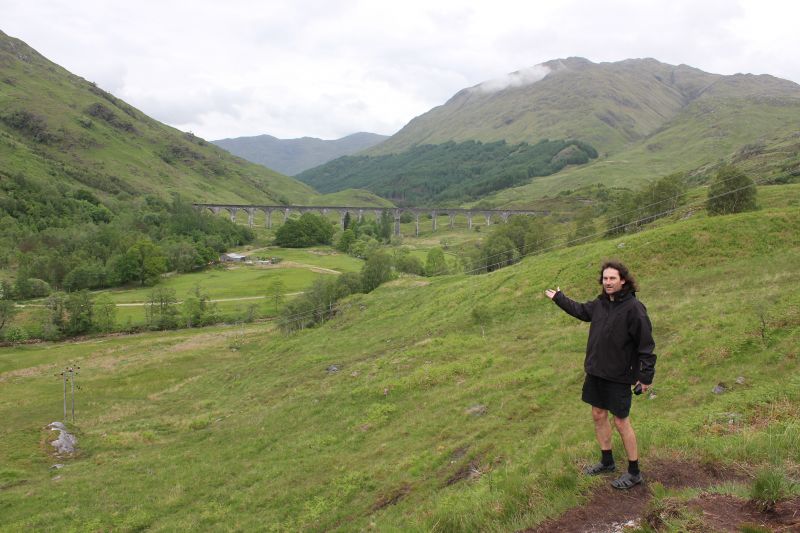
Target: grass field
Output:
[(233, 288), (428, 421)]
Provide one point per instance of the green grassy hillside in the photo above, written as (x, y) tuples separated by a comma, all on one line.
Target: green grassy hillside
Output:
[(647, 119), (609, 105), (58, 127), (448, 173), (403, 413), (762, 140)]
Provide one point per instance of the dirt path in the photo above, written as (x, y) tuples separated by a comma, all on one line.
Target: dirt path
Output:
[(612, 511), (139, 304)]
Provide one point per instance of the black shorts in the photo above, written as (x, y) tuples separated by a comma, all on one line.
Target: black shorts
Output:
[(608, 395)]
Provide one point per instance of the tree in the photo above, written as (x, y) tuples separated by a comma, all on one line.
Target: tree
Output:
[(376, 270), (54, 325), (195, 307), (161, 312), (277, 293), (499, 252), (346, 241), (80, 310), (385, 226), (731, 191), (146, 262), (308, 230), (435, 264), (184, 256), (105, 313), (410, 264), (85, 276), (7, 311)]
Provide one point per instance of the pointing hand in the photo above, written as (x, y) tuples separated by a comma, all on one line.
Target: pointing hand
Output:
[(550, 293)]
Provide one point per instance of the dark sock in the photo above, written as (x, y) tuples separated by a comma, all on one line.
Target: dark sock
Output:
[(633, 467), (607, 458)]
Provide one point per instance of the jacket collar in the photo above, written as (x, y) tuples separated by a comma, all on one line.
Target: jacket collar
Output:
[(621, 296)]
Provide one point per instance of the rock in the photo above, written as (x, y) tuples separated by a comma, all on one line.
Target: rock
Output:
[(720, 388), (621, 245), (57, 467), (66, 441), (477, 410), (652, 396), (740, 380), (331, 369)]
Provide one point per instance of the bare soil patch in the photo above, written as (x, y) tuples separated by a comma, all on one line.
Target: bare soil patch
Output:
[(728, 513), (608, 508)]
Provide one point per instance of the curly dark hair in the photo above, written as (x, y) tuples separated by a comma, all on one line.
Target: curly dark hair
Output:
[(624, 273)]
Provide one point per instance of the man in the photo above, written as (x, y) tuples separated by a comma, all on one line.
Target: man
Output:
[(619, 354)]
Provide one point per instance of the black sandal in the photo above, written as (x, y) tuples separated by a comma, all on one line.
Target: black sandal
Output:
[(626, 481), (599, 468)]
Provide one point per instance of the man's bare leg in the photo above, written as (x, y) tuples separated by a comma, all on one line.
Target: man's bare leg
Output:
[(628, 437), (602, 428)]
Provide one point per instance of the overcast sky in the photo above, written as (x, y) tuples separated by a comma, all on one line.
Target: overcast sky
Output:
[(329, 68)]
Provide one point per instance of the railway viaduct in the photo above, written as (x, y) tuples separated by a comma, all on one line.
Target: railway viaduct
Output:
[(359, 212)]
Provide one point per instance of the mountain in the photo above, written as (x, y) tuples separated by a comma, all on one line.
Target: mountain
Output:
[(56, 127), (293, 156), (644, 117), (609, 105)]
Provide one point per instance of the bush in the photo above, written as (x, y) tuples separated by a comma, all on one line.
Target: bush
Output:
[(16, 335), (89, 276), (309, 230), (30, 124), (410, 264), (731, 191), (376, 270), (32, 288)]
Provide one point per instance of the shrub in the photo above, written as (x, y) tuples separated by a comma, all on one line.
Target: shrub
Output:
[(16, 335), (30, 124), (376, 270), (309, 230), (731, 191), (32, 288)]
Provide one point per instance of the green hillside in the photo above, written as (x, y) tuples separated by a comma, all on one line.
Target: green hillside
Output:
[(60, 128), (86, 180), (646, 119), (410, 411), (448, 173)]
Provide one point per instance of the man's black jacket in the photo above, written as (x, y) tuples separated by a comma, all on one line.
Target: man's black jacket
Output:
[(620, 346)]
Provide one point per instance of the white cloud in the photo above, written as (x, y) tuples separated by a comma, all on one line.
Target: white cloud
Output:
[(519, 78), (330, 68)]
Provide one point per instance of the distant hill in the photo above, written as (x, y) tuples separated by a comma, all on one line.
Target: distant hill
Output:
[(644, 117), (293, 156), (58, 127)]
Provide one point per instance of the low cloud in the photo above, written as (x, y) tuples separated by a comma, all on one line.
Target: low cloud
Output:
[(519, 78)]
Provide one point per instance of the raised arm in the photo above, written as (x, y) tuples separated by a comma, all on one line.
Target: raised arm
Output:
[(571, 307)]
